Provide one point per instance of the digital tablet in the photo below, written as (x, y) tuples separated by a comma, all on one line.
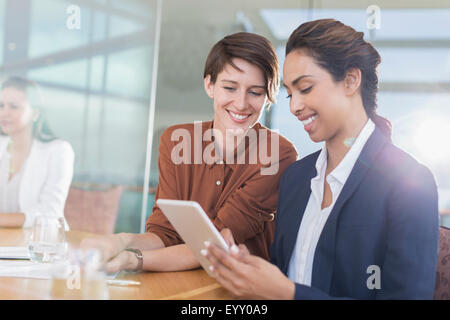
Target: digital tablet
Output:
[(193, 225)]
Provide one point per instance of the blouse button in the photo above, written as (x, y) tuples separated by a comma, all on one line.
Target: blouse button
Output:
[(218, 182)]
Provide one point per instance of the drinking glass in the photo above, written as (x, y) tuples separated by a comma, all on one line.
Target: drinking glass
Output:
[(48, 239), (81, 277)]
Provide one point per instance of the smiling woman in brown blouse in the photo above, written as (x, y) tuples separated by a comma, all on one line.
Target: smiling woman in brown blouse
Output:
[(231, 166)]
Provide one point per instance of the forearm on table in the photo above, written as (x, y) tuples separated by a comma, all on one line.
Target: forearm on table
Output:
[(173, 258), (12, 220), (145, 241)]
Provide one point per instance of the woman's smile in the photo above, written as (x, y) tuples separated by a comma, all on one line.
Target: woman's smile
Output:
[(308, 121), (238, 117)]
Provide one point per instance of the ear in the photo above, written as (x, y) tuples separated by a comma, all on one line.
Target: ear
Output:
[(209, 86), (352, 81)]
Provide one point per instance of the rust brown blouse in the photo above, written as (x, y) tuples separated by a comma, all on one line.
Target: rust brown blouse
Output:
[(235, 196)]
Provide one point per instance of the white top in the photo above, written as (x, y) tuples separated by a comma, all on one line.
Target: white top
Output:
[(9, 189), (314, 218), (46, 178)]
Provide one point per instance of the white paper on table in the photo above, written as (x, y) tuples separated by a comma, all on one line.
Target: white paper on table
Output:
[(25, 269), (14, 253), (32, 270)]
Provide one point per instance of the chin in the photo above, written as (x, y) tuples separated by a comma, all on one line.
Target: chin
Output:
[(316, 138), (243, 126), (235, 126)]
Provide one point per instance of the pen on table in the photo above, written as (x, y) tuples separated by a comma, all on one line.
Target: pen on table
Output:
[(123, 282)]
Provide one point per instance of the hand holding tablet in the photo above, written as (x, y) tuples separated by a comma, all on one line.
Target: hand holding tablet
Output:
[(194, 227)]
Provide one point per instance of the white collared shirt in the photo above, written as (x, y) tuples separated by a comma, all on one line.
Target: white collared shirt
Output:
[(314, 218)]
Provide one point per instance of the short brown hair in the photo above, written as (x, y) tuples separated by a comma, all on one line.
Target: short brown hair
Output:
[(250, 47)]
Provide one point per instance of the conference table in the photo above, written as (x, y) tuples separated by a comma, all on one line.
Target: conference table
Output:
[(192, 284)]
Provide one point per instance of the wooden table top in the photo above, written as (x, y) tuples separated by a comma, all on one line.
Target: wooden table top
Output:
[(194, 284)]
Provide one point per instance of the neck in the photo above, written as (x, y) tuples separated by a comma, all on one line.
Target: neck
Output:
[(21, 141), (230, 140), (341, 142)]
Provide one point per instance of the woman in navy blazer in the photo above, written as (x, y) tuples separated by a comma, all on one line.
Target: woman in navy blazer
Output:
[(358, 219)]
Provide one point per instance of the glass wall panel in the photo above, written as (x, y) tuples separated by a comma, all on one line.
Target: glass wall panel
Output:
[(95, 82), (397, 24), (400, 64), (2, 21), (48, 31)]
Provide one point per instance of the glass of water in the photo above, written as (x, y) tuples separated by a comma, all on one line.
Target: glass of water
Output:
[(48, 240), (81, 277)]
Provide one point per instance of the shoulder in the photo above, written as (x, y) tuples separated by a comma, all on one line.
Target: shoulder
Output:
[(399, 165), (3, 140), (183, 128), (55, 146), (410, 188)]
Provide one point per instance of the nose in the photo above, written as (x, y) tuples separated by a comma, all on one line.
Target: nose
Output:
[(240, 103), (296, 105)]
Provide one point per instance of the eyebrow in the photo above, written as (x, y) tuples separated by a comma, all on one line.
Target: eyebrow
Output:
[(298, 79), (235, 82)]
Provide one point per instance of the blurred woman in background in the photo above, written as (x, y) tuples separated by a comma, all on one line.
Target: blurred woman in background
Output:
[(36, 168)]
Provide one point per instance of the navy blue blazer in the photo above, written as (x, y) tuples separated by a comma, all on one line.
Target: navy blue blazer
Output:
[(386, 215)]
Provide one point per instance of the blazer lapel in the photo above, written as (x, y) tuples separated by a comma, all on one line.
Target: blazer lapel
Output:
[(301, 196), (325, 251)]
